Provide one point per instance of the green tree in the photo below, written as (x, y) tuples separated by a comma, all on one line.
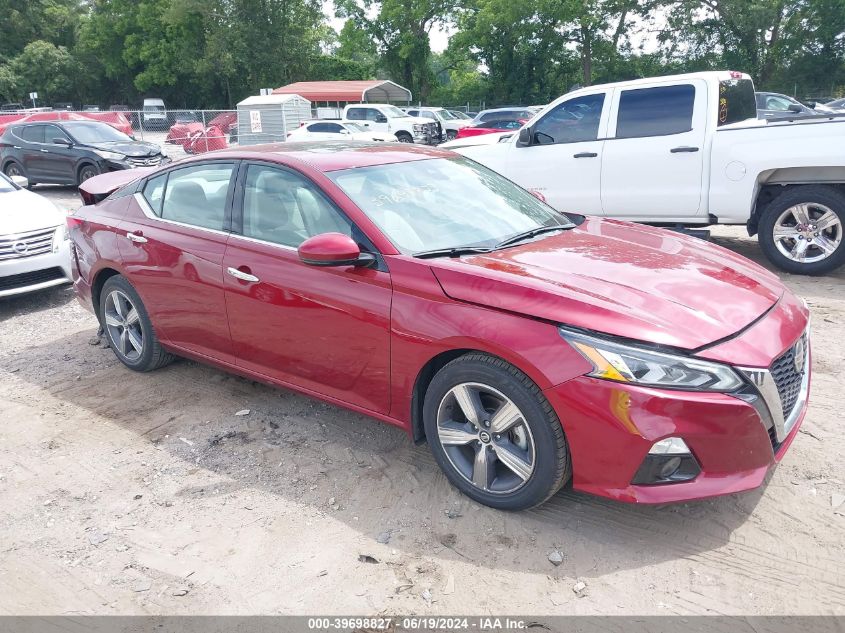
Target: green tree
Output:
[(43, 68), (400, 29)]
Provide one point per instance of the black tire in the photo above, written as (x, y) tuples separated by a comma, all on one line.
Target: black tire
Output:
[(451, 135), (152, 356), (551, 465), (404, 137), (810, 195), (85, 172), (13, 168)]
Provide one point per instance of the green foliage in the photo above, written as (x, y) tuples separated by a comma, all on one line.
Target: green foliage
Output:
[(212, 53)]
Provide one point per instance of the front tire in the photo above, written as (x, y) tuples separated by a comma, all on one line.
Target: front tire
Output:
[(86, 172), (128, 327), (451, 135), (404, 137), (801, 230), (494, 434)]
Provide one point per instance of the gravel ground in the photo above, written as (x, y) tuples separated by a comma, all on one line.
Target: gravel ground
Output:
[(147, 494)]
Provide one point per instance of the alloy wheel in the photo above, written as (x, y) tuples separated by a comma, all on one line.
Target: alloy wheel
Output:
[(807, 232), (87, 173), (13, 170), (124, 325), (486, 438)]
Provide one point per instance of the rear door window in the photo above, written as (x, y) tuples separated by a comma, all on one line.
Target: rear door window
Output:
[(197, 195), (655, 111), (154, 192), (736, 101), (32, 133)]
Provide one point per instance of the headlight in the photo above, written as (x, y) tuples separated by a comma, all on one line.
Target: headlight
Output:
[(109, 155), (61, 235), (624, 363), (419, 127)]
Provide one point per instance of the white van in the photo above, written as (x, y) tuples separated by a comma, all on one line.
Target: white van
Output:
[(154, 115)]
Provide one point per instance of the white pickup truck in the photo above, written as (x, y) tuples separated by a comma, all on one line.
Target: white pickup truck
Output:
[(383, 117), (687, 150)]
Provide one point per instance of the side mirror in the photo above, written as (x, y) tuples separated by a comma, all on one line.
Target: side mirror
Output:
[(347, 132), (333, 249), (21, 181), (62, 141), (526, 135), (381, 119), (794, 107)]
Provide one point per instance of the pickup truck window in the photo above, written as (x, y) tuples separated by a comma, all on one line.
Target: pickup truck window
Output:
[(655, 111), (572, 121), (736, 101)]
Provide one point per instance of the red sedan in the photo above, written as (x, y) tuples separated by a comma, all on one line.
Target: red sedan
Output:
[(491, 127), (527, 347)]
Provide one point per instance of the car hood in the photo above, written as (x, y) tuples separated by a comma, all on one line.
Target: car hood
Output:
[(621, 279), (130, 148), (22, 211)]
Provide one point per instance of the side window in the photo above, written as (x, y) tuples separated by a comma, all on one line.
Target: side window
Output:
[(197, 195), (52, 132), (655, 111), (373, 114), (413, 112), (429, 115), (334, 128), (33, 133), (318, 127), (777, 103), (356, 114), (572, 121), (285, 208), (154, 192)]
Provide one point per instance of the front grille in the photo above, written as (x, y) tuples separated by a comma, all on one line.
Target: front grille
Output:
[(26, 244), (787, 377), (22, 280), (145, 161)]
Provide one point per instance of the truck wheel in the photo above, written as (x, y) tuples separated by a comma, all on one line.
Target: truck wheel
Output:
[(801, 230), (404, 137)]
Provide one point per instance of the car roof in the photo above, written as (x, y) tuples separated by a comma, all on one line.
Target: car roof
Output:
[(326, 156)]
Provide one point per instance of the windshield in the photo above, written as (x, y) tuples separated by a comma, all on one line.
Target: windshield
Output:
[(392, 112), (444, 203), (6, 185), (153, 108), (85, 132), (354, 127)]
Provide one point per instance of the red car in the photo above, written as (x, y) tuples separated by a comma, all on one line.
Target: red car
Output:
[(490, 127), (527, 347)]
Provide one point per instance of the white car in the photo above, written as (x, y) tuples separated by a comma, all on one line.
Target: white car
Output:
[(334, 131), (449, 123), (34, 245)]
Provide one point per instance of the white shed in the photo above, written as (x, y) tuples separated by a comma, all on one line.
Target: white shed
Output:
[(269, 118)]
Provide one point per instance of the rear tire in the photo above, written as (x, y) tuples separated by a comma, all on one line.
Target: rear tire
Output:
[(12, 168), (128, 327), (526, 458), (801, 231)]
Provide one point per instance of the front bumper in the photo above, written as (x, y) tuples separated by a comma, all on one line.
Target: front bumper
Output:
[(36, 272), (735, 438), (134, 163)]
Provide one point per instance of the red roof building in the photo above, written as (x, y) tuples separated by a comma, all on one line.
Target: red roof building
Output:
[(373, 91)]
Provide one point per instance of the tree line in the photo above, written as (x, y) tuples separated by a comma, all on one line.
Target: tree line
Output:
[(213, 53)]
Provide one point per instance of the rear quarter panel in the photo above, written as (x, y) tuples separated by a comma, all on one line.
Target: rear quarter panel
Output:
[(742, 156)]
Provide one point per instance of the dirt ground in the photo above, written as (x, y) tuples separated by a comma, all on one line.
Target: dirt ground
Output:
[(147, 494)]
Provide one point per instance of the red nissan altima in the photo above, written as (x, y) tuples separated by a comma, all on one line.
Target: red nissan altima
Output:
[(527, 347)]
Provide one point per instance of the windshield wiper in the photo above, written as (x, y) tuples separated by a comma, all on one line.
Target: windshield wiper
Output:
[(514, 239), (455, 251)]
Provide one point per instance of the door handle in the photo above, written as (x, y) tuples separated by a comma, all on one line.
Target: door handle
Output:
[(44, 150), (585, 155), (136, 237), (683, 148), (17, 146), (239, 274)]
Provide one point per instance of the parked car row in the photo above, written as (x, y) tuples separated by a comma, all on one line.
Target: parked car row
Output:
[(71, 152)]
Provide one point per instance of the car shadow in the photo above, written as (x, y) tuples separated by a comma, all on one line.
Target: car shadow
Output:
[(377, 480), (36, 301)]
